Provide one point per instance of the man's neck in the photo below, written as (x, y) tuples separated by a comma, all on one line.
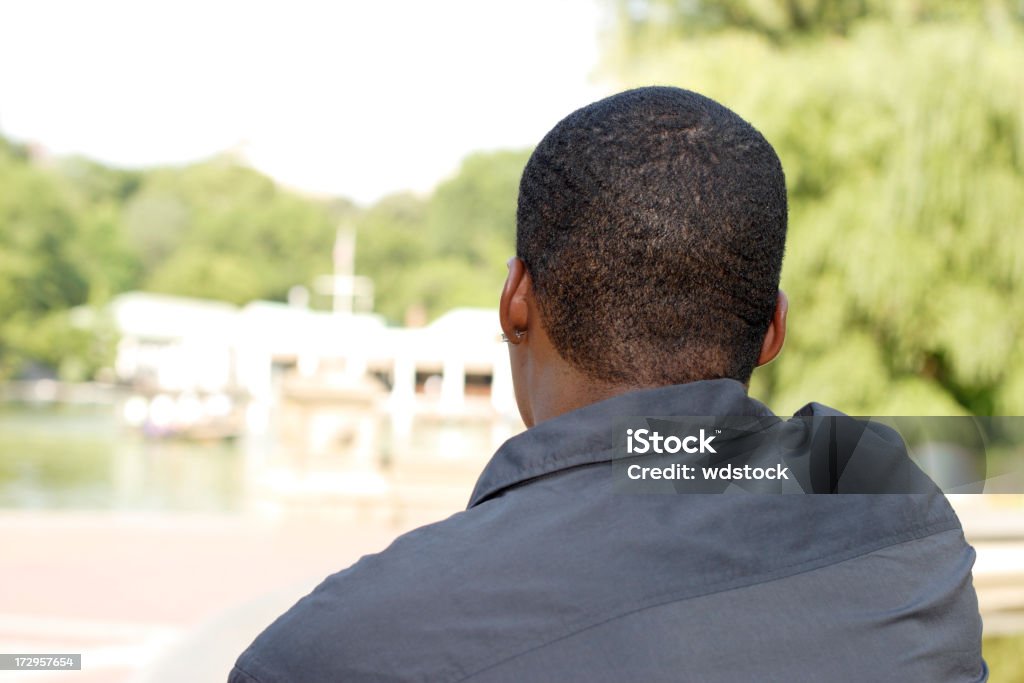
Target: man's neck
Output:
[(565, 389)]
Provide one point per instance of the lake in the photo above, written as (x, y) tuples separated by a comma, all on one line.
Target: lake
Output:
[(83, 458)]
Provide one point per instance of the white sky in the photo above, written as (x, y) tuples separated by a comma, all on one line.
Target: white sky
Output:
[(352, 98)]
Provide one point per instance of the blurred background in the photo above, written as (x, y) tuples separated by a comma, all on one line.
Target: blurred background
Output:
[(250, 255)]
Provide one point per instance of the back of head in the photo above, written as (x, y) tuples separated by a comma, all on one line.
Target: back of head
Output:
[(653, 225)]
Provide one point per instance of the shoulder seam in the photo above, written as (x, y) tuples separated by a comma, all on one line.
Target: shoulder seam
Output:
[(776, 575), (248, 674)]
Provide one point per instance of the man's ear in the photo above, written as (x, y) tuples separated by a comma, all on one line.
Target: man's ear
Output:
[(776, 334), (513, 309)]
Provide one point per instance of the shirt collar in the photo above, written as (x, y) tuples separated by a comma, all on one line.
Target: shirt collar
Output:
[(583, 436)]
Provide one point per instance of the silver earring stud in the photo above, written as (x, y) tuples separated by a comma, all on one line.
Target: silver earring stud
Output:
[(519, 335)]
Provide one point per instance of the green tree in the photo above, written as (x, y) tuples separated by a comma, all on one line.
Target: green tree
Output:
[(74, 233), (223, 231), (392, 248), (448, 250), (42, 270), (647, 26), (97, 195), (473, 214)]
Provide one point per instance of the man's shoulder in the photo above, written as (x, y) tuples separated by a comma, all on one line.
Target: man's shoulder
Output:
[(439, 603), (400, 601)]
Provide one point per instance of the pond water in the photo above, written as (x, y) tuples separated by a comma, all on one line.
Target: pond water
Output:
[(82, 458)]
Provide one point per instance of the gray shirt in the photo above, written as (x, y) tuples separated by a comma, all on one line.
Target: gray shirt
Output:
[(552, 574)]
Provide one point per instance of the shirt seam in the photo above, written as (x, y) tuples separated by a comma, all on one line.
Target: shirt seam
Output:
[(249, 673), (777, 574)]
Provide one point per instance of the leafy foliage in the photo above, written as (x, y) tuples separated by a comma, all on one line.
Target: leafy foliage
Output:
[(650, 25), (76, 233), (448, 250), (221, 230), (42, 272)]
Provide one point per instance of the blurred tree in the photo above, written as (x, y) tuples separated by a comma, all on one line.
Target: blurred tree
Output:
[(75, 233), (448, 250), (223, 231), (42, 270), (473, 214), (391, 248), (644, 26), (903, 145), (97, 195)]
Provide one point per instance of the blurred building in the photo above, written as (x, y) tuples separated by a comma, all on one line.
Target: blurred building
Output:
[(191, 361)]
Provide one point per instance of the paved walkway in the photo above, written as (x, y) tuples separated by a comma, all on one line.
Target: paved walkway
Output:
[(124, 589)]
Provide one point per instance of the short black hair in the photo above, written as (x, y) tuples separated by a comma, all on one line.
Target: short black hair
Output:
[(653, 225)]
